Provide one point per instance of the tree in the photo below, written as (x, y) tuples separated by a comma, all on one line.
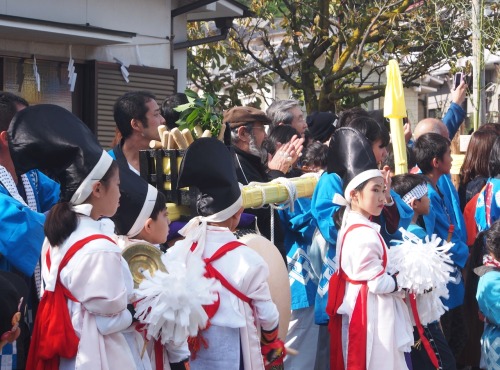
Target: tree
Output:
[(333, 53)]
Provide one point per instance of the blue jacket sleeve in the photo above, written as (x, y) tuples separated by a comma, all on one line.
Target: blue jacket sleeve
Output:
[(22, 235), (488, 294), (453, 118), (436, 222), (48, 192), (322, 206)]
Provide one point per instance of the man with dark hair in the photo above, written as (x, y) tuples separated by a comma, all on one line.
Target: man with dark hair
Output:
[(10, 104), (23, 201), (137, 116), (433, 156), (167, 108)]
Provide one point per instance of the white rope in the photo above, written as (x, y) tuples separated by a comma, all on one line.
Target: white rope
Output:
[(271, 209), (292, 193), (258, 185)]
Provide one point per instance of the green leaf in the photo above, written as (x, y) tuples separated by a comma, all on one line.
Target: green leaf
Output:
[(183, 107)]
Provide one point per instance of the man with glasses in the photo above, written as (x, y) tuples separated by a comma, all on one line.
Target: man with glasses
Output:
[(248, 132)]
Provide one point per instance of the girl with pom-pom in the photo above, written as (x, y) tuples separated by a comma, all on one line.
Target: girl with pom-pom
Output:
[(488, 297), (369, 323)]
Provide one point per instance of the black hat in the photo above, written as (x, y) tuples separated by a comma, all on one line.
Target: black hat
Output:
[(208, 165), (321, 125), (12, 290), (137, 201), (54, 140), (350, 155)]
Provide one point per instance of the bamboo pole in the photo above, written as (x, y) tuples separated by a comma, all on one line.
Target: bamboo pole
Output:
[(258, 194)]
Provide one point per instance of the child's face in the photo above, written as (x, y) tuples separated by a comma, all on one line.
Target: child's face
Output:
[(444, 164), (379, 151), (370, 201), (159, 228), (422, 206), (109, 200)]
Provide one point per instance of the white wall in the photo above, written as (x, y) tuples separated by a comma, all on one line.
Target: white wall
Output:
[(149, 19)]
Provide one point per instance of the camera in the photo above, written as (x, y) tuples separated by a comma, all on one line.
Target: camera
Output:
[(457, 79)]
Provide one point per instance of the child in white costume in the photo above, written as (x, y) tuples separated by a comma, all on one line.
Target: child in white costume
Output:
[(83, 310), (370, 327), (244, 307), (142, 218)]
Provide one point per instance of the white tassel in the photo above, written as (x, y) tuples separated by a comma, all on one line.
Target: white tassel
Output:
[(425, 268), (422, 266), (170, 304)]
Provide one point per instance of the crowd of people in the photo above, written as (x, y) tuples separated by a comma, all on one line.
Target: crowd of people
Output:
[(70, 208)]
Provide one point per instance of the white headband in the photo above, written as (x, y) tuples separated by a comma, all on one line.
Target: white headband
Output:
[(358, 180), (147, 208), (196, 228), (416, 193), (97, 173)]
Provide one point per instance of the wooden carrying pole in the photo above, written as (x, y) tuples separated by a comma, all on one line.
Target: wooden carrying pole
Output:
[(259, 194)]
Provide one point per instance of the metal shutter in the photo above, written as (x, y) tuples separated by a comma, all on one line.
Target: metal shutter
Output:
[(110, 85)]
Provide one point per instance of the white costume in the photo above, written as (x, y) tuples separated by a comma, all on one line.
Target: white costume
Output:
[(246, 271), (389, 330), (146, 361), (99, 278)]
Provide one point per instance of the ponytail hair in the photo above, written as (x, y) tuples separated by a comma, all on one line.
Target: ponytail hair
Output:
[(60, 223)]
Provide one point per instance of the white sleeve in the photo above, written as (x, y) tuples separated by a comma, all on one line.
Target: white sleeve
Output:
[(362, 260), (383, 284), (258, 292), (113, 324), (177, 352)]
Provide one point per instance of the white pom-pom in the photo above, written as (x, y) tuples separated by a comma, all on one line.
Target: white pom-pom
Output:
[(422, 265), (430, 307), (171, 304)]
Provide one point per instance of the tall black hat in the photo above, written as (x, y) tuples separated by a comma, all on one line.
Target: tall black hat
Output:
[(54, 140), (208, 165), (350, 155), (137, 201)]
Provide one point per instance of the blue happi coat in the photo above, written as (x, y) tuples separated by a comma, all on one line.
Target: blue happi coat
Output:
[(299, 227), (488, 299), (21, 229), (488, 205), (438, 222)]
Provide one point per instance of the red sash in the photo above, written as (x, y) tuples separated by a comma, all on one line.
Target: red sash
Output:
[(421, 333), (53, 334), (195, 343), (356, 351)]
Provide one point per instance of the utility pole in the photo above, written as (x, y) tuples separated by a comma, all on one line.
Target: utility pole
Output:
[(478, 93)]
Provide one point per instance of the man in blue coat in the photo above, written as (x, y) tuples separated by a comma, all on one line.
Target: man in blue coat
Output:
[(23, 201)]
